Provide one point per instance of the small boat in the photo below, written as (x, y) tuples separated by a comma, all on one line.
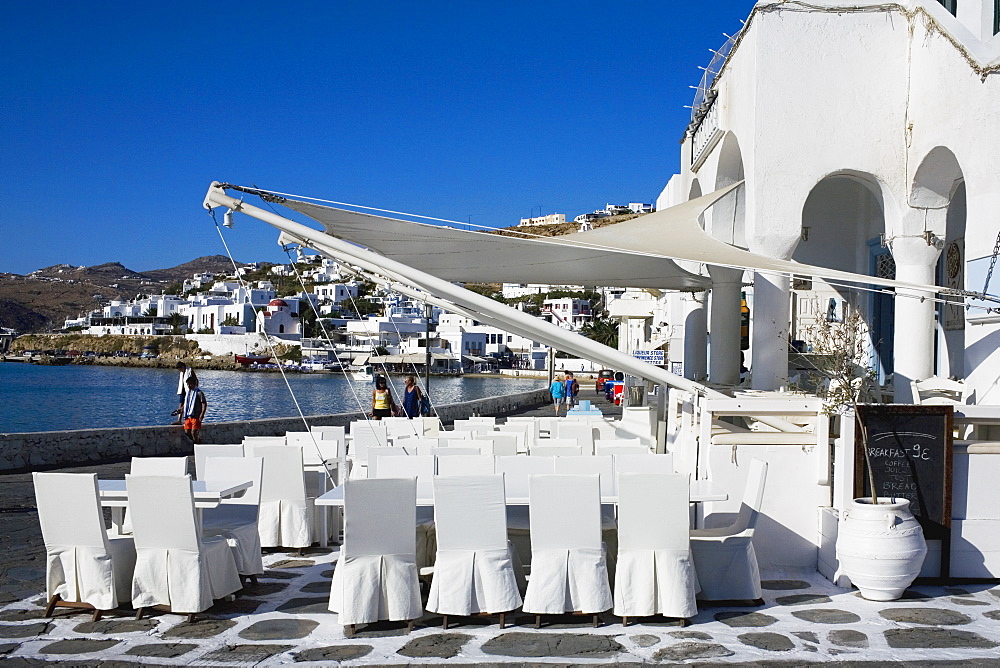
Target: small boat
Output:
[(247, 360), (364, 373)]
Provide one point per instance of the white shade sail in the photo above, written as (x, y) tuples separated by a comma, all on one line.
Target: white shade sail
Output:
[(481, 257)]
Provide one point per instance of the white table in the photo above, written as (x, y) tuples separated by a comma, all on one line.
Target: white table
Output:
[(207, 494), (700, 490)]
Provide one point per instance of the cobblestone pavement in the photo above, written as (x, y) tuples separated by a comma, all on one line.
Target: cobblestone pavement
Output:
[(284, 619)]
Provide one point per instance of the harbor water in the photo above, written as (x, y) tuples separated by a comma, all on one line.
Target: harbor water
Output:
[(51, 398)]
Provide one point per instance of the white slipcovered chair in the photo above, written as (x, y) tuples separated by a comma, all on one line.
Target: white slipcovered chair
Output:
[(451, 451), (491, 420), (524, 432), (376, 576), (580, 432), (403, 427), (251, 442), (474, 570), (175, 566), (603, 448), (502, 444), (644, 463), (366, 433), (459, 465), (479, 428), (152, 466), (421, 468), (86, 566), (457, 434), (569, 572), (203, 450), (517, 470), (378, 451), (555, 450), (286, 513), (655, 574), (236, 518), (724, 556)]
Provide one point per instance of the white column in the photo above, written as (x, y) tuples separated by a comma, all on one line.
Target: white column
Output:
[(695, 336), (769, 364), (724, 325), (913, 341)]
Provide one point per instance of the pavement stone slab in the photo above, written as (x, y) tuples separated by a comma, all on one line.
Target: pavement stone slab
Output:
[(293, 563), (992, 614), (161, 650), (827, 616), (803, 599), (745, 619), (690, 635), (688, 651), (808, 636), (205, 628), (438, 646), (772, 642), (334, 653), (960, 600), (111, 626), (784, 584), (245, 653), (6, 648), (563, 645), (267, 588), (934, 638), (278, 575), (314, 605), (848, 638), (78, 646), (928, 616), (645, 639), (316, 588), (23, 630), (279, 629)]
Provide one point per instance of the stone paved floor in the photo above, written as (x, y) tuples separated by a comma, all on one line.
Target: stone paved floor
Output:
[(284, 619)]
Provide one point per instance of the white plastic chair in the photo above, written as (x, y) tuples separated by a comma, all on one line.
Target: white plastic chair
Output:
[(158, 466), (938, 391), (556, 450), (236, 518), (203, 450), (376, 576), (286, 513), (568, 567), (175, 566), (581, 433), (376, 452), (724, 556), (466, 465), (474, 569), (655, 574), (644, 463), (86, 566), (603, 465), (502, 444), (603, 449)]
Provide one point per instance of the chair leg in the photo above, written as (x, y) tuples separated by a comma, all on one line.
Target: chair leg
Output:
[(624, 620), (191, 617), (51, 605), (96, 617), (349, 630), (138, 613), (253, 579), (503, 620), (597, 620), (409, 627), (538, 621), (444, 622)]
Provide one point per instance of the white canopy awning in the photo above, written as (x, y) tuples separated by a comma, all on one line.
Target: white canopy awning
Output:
[(481, 257)]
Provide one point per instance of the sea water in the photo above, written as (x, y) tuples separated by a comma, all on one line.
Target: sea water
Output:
[(51, 398)]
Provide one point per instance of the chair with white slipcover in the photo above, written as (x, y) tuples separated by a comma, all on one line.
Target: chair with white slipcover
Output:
[(251, 442), (286, 512), (175, 566), (604, 448), (86, 566), (655, 574), (151, 466), (647, 462), (365, 433), (474, 570), (525, 432), (478, 428), (581, 432), (502, 444), (569, 572), (491, 420), (377, 451), (459, 465), (421, 468), (724, 556), (236, 518), (517, 470), (376, 576), (203, 450), (547, 450)]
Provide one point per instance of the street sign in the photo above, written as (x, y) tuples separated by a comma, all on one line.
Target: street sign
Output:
[(651, 356)]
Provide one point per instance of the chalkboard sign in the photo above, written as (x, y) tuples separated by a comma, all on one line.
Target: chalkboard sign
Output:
[(909, 448)]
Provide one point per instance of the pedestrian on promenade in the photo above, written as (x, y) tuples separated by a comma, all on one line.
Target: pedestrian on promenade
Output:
[(558, 391), (411, 398), (185, 372), (383, 404), (572, 389), (193, 411)]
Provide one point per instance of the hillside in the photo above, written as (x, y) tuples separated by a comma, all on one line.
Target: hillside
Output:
[(560, 229), (43, 299)]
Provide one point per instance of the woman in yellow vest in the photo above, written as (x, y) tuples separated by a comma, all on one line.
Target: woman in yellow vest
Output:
[(382, 403)]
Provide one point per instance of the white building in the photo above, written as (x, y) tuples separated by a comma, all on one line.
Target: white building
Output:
[(567, 312), (280, 319), (551, 219), (866, 135)]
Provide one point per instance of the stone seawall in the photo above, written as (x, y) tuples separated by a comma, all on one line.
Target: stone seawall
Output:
[(47, 449)]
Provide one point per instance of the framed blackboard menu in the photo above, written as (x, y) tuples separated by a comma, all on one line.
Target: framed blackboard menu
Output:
[(909, 448)]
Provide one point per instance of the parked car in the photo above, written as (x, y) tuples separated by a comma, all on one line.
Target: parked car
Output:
[(603, 376)]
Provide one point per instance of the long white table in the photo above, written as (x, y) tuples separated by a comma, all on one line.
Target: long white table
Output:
[(700, 490), (207, 494)]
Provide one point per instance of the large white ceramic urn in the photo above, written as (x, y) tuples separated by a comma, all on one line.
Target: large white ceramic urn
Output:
[(880, 547)]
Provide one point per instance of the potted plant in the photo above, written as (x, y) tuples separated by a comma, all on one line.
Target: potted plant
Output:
[(880, 545)]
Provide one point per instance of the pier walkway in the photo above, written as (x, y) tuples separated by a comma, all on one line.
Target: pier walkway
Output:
[(284, 619)]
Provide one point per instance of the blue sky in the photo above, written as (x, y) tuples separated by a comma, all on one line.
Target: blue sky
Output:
[(115, 117)]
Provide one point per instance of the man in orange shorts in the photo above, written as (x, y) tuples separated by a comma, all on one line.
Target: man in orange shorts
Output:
[(194, 408)]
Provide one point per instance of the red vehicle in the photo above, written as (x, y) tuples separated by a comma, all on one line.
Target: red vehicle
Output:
[(603, 376)]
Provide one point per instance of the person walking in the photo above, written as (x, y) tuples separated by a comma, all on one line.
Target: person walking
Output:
[(193, 410), (572, 389), (185, 372), (558, 391), (411, 398), (382, 402)]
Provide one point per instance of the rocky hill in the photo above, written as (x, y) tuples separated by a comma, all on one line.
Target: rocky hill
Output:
[(43, 299)]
